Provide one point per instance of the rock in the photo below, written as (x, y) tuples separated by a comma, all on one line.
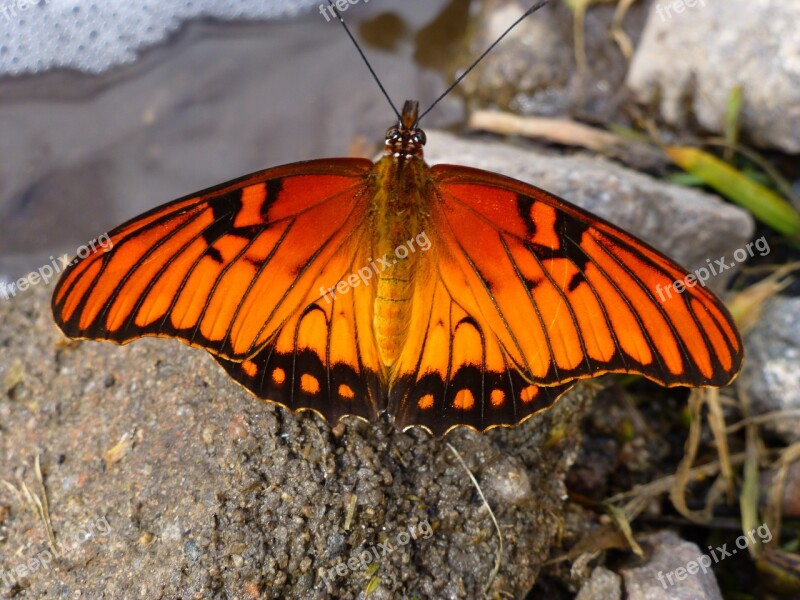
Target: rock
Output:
[(223, 495), (520, 73), (755, 45), (534, 70), (770, 375), (602, 585), (666, 574), (689, 225)]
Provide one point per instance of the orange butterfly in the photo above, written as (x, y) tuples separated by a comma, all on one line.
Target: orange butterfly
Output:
[(444, 295)]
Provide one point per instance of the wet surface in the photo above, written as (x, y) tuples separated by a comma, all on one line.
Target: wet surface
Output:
[(80, 154)]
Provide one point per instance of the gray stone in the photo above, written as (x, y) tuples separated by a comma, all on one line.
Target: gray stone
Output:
[(691, 61), (689, 225), (602, 585), (771, 374), (226, 495), (534, 70), (530, 70), (669, 553)]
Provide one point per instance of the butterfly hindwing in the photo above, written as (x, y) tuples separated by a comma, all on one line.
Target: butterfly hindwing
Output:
[(455, 371), (323, 357)]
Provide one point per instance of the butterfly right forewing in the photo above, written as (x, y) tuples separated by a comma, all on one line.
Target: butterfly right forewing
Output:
[(225, 268)]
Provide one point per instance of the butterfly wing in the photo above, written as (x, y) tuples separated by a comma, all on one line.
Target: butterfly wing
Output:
[(531, 294), (240, 270), (321, 359), (523, 295), (454, 370)]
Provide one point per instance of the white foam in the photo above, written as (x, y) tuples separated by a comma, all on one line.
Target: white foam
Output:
[(95, 35)]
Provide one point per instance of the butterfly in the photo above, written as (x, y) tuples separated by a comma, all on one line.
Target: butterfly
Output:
[(443, 295)]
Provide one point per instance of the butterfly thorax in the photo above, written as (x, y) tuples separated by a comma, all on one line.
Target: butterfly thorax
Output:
[(399, 217)]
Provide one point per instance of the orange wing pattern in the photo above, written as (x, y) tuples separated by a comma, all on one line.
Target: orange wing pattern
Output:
[(237, 269), (322, 359), (533, 293), (455, 370), (223, 269), (521, 294)]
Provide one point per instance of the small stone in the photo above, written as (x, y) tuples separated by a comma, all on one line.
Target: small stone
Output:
[(191, 551), (754, 45), (208, 435), (667, 576), (251, 590), (770, 374), (171, 533), (602, 585), (237, 429)]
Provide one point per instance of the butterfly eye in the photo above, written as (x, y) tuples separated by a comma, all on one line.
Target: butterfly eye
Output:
[(392, 133), (420, 137)]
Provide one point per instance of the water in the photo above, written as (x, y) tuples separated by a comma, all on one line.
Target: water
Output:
[(79, 154)]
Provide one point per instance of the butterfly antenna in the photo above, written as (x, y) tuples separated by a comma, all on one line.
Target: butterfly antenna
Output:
[(527, 13), (364, 58)]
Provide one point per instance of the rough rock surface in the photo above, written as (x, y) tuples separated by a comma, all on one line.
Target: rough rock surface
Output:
[(208, 492), (670, 553), (602, 585), (771, 375), (689, 225), (534, 69), (754, 44), (531, 60)]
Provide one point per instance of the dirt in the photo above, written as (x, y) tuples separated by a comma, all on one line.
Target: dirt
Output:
[(186, 486)]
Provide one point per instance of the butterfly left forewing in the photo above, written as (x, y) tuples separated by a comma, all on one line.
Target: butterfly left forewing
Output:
[(242, 270), (569, 295)]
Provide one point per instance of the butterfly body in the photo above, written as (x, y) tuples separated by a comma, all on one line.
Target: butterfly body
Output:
[(443, 295), (399, 214)]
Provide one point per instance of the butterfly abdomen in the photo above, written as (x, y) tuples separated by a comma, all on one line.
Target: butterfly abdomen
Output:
[(392, 303), (400, 242)]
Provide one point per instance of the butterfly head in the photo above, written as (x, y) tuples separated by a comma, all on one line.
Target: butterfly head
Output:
[(405, 140)]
